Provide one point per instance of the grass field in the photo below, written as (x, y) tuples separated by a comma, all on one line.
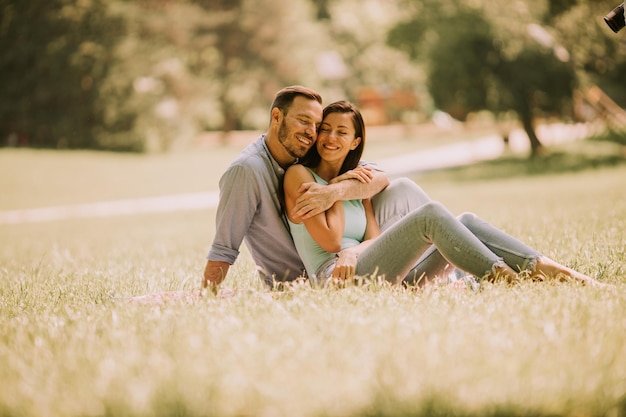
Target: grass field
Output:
[(69, 347)]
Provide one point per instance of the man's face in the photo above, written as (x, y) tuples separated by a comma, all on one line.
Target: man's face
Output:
[(298, 130)]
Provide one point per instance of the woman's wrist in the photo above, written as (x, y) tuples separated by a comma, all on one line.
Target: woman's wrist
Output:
[(348, 252)]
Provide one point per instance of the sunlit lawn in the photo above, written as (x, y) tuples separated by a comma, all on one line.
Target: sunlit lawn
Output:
[(70, 346)]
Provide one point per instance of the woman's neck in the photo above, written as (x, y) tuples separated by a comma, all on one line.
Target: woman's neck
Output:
[(327, 171)]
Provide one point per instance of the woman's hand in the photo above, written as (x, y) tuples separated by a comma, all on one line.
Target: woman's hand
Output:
[(345, 268), (360, 173)]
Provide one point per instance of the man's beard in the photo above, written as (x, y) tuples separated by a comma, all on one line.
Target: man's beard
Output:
[(283, 135)]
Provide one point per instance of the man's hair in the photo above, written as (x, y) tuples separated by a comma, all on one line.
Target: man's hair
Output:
[(312, 158), (284, 98)]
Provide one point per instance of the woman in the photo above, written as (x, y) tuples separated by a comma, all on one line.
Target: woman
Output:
[(346, 241)]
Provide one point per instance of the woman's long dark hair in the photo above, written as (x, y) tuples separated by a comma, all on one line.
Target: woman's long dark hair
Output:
[(312, 158)]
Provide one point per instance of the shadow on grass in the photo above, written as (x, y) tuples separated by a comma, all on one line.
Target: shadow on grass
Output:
[(438, 406), (590, 154)]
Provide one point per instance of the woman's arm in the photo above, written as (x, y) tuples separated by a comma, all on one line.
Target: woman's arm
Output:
[(348, 258), (326, 228)]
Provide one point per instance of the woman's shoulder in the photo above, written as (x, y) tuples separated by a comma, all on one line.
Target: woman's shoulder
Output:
[(298, 171), (296, 168), (295, 175)]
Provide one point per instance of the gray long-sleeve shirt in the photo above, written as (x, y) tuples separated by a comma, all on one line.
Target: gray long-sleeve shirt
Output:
[(250, 209)]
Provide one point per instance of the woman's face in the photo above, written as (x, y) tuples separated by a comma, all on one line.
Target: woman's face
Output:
[(335, 137)]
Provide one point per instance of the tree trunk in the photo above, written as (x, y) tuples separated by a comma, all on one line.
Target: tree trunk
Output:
[(529, 127), (230, 122)]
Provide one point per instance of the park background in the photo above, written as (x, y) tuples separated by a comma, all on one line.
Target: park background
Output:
[(154, 76), (144, 104)]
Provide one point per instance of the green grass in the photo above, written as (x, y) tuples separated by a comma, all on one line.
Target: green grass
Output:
[(68, 347)]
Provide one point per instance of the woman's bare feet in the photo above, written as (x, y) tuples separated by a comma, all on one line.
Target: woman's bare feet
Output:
[(547, 268)]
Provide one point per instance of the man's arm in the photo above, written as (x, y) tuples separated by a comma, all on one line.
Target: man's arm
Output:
[(214, 274), (235, 211), (317, 198)]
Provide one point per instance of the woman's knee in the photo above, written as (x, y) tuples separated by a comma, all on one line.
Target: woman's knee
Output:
[(434, 208), (415, 195), (467, 218), (401, 192), (431, 210), (401, 197)]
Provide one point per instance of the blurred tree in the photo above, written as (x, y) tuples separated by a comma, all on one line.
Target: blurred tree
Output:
[(598, 54), (496, 60), (322, 9), (217, 63), (149, 73), (250, 57), (230, 39), (55, 56), (357, 59), (546, 89), (465, 87), (558, 7)]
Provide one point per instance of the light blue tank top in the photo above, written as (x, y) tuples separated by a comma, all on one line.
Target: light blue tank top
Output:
[(312, 255)]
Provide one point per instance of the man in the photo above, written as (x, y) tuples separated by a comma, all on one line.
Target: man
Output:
[(250, 206)]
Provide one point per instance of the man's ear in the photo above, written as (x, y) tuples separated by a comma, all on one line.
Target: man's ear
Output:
[(277, 115)]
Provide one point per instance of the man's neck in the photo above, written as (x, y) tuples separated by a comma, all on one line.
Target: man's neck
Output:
[(278, 152)]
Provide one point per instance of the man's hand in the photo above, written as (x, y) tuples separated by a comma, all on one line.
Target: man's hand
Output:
[(214, 274), (314, 199), (359, 183)]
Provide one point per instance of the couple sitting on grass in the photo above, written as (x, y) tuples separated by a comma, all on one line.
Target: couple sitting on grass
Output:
[(339, 218)]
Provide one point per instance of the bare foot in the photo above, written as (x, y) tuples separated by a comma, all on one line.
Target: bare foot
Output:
[(546, 267), (502, 273)]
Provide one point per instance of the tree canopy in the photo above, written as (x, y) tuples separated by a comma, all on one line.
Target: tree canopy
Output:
[(490, 56), (152, 74), (56, 55)]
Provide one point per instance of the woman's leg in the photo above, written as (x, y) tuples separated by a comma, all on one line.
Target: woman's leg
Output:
[(515, 254), (429, 267), (397, 249), (401, 197), (518, 255)]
